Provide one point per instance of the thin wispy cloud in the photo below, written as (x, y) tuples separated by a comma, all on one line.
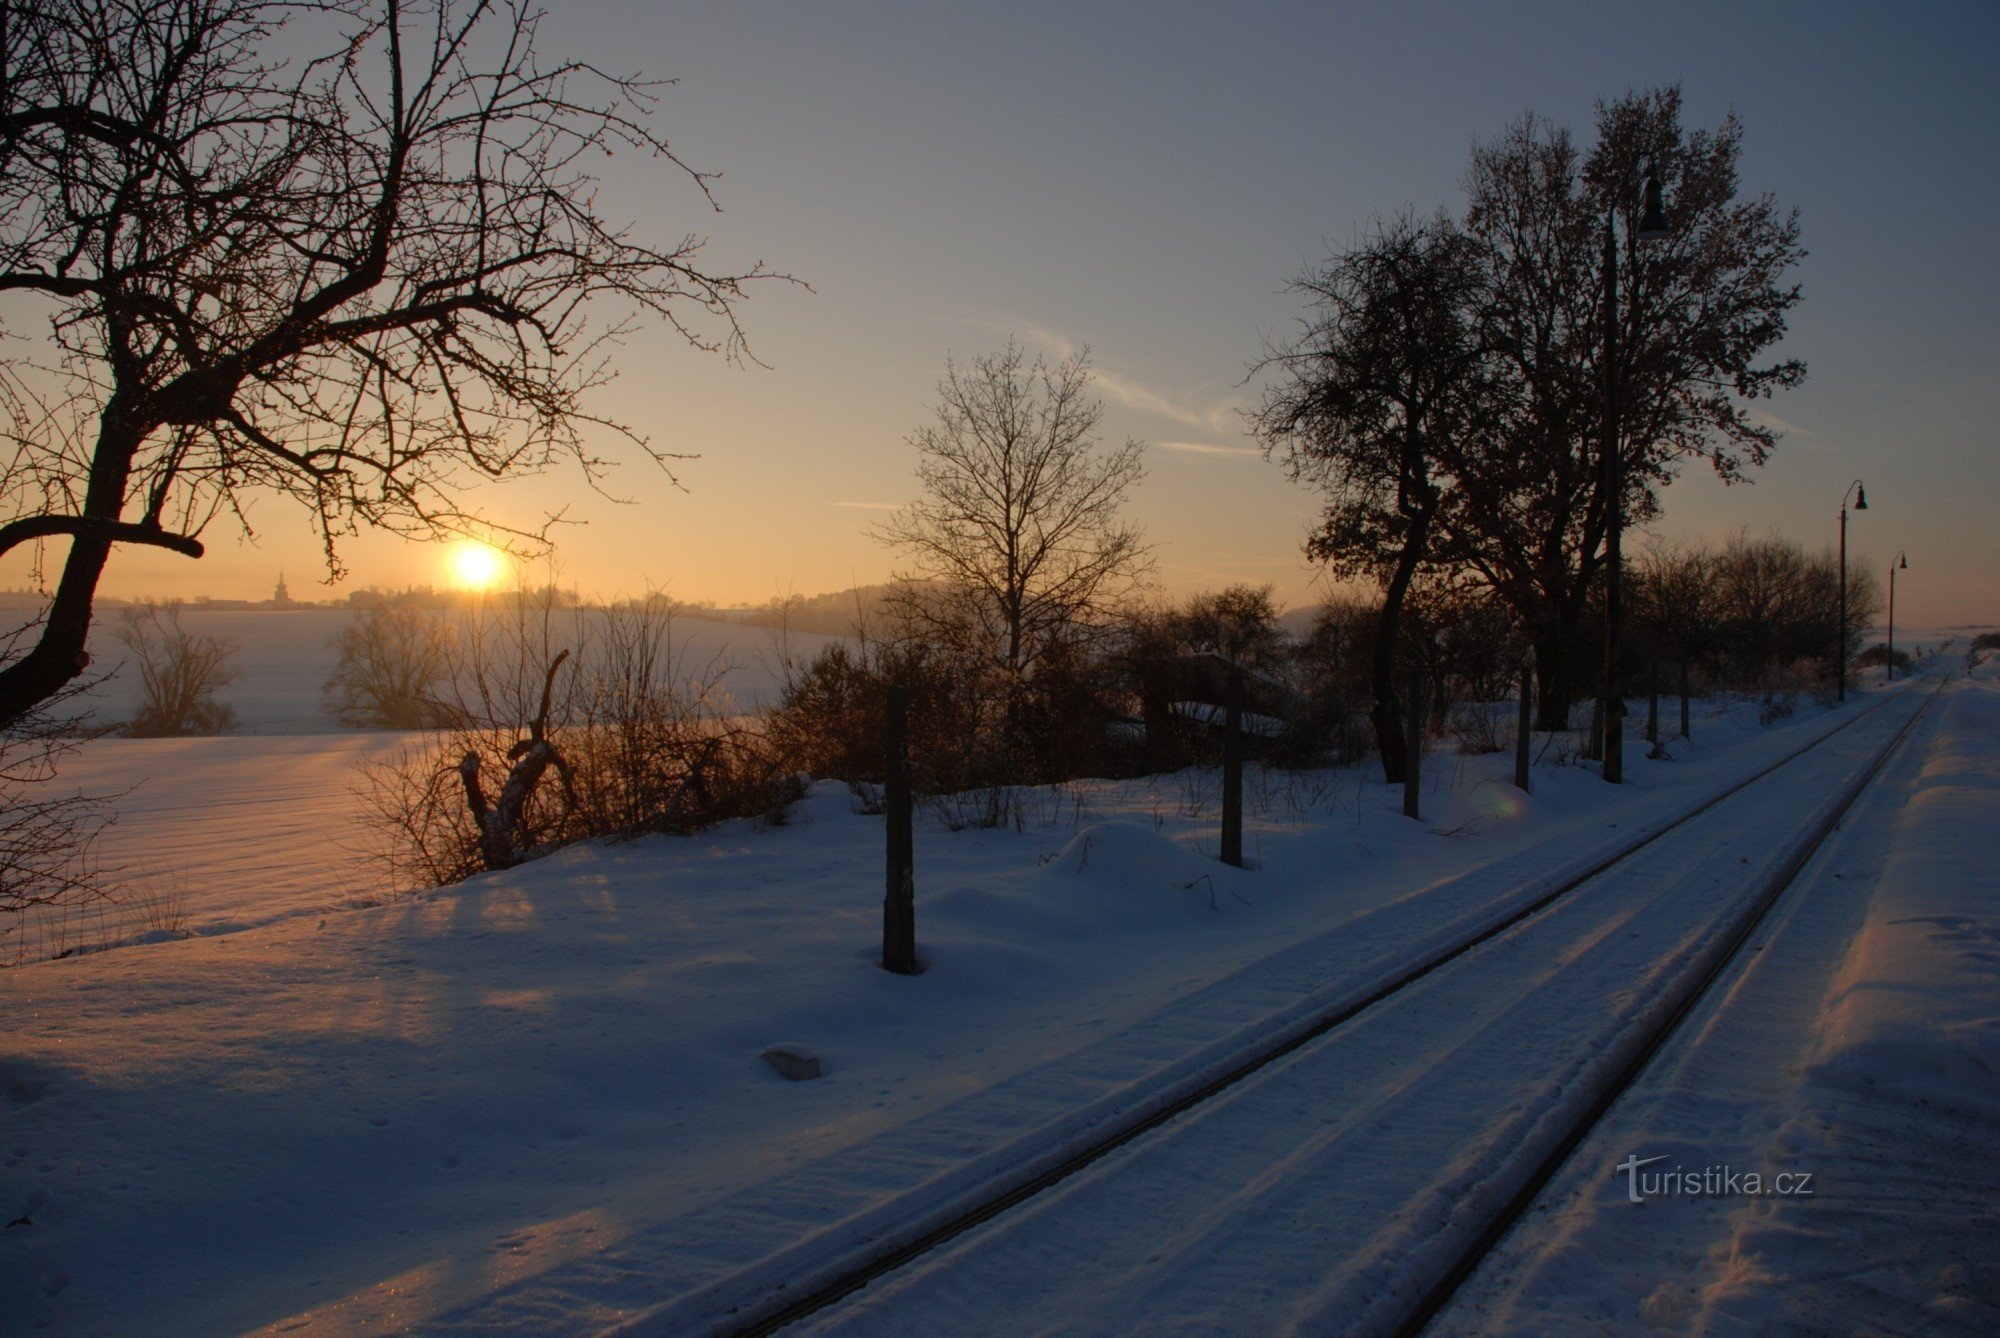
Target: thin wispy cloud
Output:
[(1765, 418), (869, 506), (1220, 416), (1210, 448)]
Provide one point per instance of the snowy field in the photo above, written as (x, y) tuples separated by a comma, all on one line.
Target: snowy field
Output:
[(281, 784), (534, 1103)]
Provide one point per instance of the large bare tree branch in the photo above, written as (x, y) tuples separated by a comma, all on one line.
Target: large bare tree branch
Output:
[(17, 532), (364, 280)]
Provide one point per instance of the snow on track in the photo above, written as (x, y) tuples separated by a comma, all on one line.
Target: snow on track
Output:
[(533, 1103), (1326, 1192), (1858, 1043)]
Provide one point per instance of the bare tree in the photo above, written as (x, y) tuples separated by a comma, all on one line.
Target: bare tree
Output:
[(1017, 547), (180, 673), (360, 279), (392, 663), (1778, 606), (1676, 597), (1239, 622)]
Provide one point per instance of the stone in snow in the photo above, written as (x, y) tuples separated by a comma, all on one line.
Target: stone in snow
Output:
[(793, 1060)]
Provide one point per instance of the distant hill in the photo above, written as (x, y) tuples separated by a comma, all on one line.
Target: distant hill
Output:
[(840, 613)]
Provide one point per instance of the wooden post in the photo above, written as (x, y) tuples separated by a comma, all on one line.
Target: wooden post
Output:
[(1157, 719), (1684, 699), (899, 905), (1232, 770), (1653, 703), (1413, 735), (1524, 729)]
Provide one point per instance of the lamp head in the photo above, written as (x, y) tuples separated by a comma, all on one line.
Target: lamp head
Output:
[(1653, 224), (1860, 497), (1902, 562)]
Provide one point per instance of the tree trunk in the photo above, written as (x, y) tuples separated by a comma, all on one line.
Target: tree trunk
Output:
[(1386, 714), (60, 655), (1552, 681)]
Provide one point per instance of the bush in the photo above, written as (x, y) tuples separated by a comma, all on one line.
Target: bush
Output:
[(48, 835), (1331, 670), (179, 673), (393, 663), (1879, 654), (640, 743), (832, 719)]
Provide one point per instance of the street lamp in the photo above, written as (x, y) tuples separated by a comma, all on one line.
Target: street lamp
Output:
[(1889, 665), (1860, 504), (1653, 225)]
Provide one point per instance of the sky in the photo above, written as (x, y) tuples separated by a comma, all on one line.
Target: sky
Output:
[(1144, 180)]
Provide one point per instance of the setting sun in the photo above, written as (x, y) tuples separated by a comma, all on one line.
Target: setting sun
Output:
[(476, 566)]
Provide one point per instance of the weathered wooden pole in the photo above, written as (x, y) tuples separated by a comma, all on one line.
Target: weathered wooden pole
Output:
[(899, 905), (1653, 703), (1413, 744), (1523, 729), (1232, 770)]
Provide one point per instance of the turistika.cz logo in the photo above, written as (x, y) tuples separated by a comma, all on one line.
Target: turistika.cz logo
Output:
[(1707, 1181)]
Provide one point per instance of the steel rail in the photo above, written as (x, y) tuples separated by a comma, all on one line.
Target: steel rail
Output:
[(773, 1312), (1439, 1294)]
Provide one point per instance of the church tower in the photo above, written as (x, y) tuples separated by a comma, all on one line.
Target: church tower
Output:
[(283, 598)]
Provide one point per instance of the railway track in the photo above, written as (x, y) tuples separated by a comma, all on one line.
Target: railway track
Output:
[(1331, 1061)]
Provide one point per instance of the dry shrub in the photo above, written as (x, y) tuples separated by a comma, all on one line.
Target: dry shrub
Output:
[(832, 717), (48, 832), (1477, 728), (393, 665), (645, 744), (180, 673)]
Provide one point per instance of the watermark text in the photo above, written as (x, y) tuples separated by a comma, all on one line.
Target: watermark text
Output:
[(1707, 1181)]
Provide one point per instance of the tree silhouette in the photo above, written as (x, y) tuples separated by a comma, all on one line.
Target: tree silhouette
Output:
[(362, 278), (1017, 543)]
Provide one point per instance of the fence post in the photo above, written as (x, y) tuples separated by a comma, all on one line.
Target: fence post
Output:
[(899, 905), (1653, 703), (1413, 744), (1232, 770), (1524, 730), (1684, 698)]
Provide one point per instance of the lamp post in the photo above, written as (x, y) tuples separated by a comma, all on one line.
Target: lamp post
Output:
[(1860, 504), (1653, 225), (1889, 664)]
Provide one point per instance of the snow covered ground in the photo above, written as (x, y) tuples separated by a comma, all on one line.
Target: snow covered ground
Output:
[(284, 657), (1845, 1087), (263, 823), (534, 1102)]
